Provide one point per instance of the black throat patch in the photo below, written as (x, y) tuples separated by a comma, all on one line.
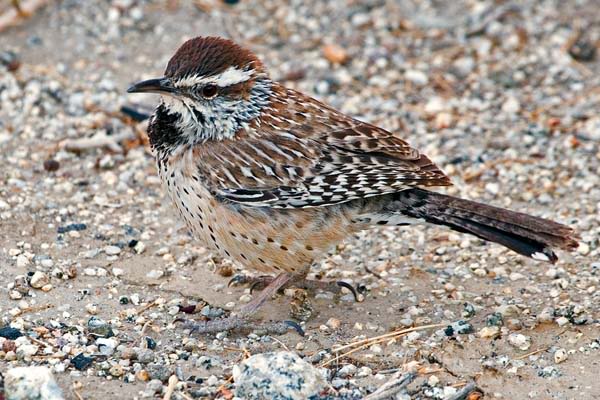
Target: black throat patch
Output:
[(163, 132)]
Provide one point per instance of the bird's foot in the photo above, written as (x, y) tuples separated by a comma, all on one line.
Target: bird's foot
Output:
[(335, 287), (300, 282), (253, 282)]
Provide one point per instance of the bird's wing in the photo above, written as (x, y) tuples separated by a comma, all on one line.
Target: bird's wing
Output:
[(313, 157)]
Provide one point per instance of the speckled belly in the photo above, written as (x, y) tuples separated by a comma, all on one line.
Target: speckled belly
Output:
[(264, 239)]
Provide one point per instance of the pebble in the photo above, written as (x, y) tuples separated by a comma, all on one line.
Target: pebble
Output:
[(511, 105), (347, 371), (31, 383), (335, 54), (489, 332), (145, 356), (333, 323), (10, 333), (417, 77), (560, 355), (22, 261), (81, 362), (112, 250), (519, 341), (280, 375), (546, 316), (159, 371)]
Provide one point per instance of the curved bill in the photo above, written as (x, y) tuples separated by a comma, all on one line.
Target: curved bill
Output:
[(160, 85)]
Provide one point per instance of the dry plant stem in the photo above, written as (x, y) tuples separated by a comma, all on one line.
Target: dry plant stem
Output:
[(464, 392), (15, 15), (171, 388), (398, 382), (361, 344)]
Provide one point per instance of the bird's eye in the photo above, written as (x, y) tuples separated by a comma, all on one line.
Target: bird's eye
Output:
[(209, 91)]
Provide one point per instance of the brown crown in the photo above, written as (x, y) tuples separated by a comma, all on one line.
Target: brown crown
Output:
[(207, 56)]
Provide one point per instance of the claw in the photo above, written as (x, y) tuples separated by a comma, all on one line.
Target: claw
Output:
[(295, 326), (350, 288), (237, 280), (254, 286), (361, 288)]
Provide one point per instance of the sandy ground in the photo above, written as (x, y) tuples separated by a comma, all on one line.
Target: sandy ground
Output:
[(427, 275)]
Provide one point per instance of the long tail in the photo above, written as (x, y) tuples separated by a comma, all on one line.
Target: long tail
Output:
[(527, 235)]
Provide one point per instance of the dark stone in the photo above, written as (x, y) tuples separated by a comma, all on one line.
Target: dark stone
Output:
[(51, 165), (71, 227), (81, 362), (150, 342), (10, 333)]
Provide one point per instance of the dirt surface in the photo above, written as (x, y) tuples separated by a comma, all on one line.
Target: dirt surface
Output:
[(500, 100)]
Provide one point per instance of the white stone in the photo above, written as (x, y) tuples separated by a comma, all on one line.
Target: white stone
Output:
[(560, 355), (112, 250), (417, 77), (22, 261), (29, 383), (511, 105), (519, 341), (277, 375), (38, 280)]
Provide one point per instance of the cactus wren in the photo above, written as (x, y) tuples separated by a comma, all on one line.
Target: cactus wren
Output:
[(272, 178)]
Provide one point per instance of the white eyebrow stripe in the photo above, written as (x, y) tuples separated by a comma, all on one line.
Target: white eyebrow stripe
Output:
[(230, 76)]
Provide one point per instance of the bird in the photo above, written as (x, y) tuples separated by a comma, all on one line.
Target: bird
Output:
[(272, 178)]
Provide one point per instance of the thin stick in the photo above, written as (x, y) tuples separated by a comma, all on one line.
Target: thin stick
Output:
[(464, 392), (531, 353), (389, 335), (394, 385), (171, 388), (361, 344)]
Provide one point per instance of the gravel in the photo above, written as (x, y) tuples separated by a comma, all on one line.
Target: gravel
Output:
[(97, 270)]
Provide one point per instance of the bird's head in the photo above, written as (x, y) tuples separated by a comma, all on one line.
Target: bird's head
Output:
[(211, 88)]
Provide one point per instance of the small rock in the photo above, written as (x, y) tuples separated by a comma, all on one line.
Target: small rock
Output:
[(159, 371), (511, 105), (38, 280), (81, 362), (347, 371), (51, 165), (22, 261), (519, 341), (333, 323), (514, 324), (106, 346), (145, 356), (155, 274), (116, 371), (31, 383), (335, 54), (560, 355), (509, 310), (139, 247), (10, 333), (277, 375), (112, 250), (27, 350), (546, 316), (417, 77), (562, 321), (489, 332)]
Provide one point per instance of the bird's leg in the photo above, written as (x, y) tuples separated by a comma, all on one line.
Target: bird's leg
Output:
[(241, 321), (17, 5)]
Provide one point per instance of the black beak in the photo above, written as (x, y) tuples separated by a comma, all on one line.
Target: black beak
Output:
[(160, 85)]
